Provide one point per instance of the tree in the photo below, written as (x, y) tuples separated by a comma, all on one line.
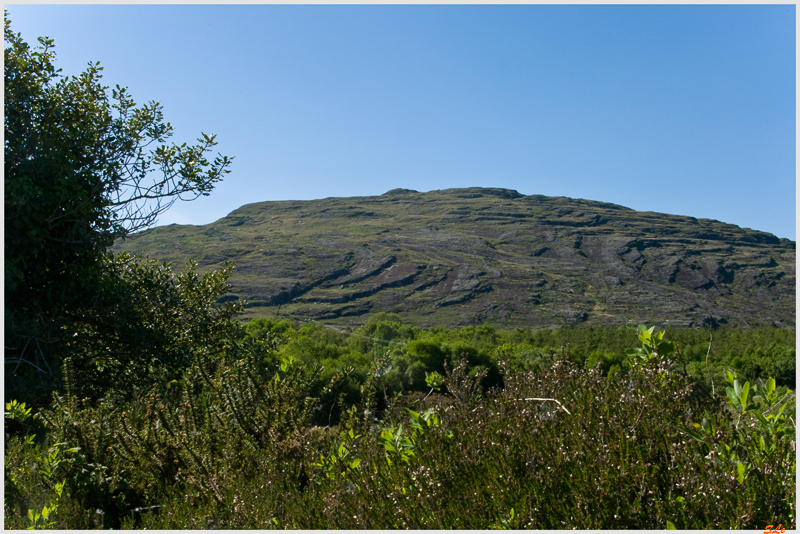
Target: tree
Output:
[(152, 326), (82, 168)]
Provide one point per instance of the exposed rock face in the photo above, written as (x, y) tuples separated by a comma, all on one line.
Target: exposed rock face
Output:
[(466, 256)]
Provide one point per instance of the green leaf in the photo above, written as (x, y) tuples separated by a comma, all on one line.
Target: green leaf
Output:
[(732, 397), (708, 426), (644, 337), (670, 525), (770, 386), (740, 470), (694, 434), (666, 348), (729, 376), (762, 419), (743, 397)]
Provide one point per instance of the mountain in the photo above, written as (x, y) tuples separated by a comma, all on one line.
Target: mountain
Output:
[(468, 256)]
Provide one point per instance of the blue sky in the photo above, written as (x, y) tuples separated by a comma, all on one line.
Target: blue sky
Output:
[(677, 109)]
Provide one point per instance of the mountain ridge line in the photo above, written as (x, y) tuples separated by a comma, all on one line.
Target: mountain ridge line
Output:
[(473, 255)]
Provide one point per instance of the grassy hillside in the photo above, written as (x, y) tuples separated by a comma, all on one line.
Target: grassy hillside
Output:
[(468, 256)]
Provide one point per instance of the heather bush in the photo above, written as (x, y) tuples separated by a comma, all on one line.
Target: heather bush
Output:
[(557, 444)]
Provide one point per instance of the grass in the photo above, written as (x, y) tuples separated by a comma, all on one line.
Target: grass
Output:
[(277, 244)]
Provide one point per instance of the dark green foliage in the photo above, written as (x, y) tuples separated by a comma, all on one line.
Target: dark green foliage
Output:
[(429, 353), (56, 221), (187, 434), (151, 326), (778, 361), (605, 361), (262, 328), (82, 168), (755, 354)]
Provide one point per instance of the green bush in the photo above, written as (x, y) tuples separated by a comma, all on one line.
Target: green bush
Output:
[(606, 360), (263, 328), (429, 353), (233, 444)]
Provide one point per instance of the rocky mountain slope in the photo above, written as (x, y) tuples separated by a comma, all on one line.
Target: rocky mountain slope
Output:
[(468, 256)]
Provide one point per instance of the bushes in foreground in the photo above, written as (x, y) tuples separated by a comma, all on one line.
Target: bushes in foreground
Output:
[(231, 445)]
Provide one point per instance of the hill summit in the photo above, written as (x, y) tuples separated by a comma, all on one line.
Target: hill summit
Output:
[(467, 256)]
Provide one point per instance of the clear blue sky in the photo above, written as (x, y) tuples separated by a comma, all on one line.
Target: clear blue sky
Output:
[(686, 109)]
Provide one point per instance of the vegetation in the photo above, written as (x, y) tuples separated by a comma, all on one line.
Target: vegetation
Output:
[(152, 406), (259, 438), (82, 168), (462, 257)]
